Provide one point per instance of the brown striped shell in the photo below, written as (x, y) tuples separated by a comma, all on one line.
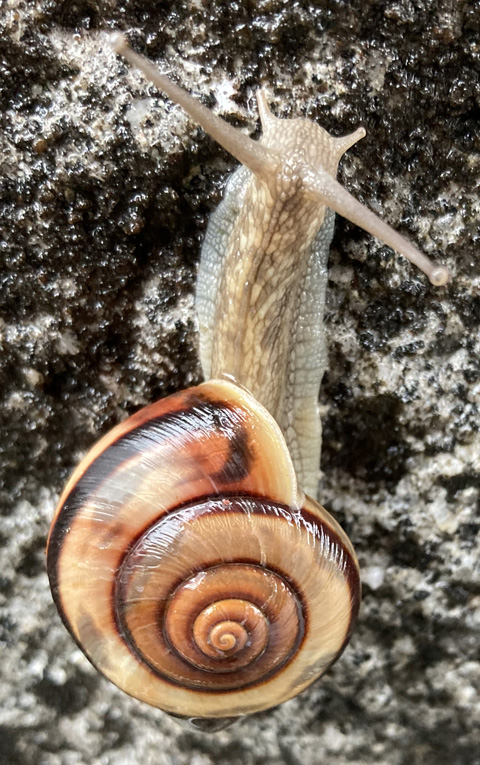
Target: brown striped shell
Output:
[(190, 569)]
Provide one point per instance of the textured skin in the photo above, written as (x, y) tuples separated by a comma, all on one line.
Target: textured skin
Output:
[(301, 417), (262, 282), (298, 413), (214, 247)]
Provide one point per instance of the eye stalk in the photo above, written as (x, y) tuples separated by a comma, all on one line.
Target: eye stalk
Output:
[(248, 152), (327, 190), (264, 161)]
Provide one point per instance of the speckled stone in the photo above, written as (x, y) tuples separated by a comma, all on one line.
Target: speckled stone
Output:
[(105, 194)]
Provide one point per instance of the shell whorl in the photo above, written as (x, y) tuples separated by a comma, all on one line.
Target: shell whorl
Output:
[(189, 568)]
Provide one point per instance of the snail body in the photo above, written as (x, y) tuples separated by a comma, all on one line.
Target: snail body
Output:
[(184, 557)]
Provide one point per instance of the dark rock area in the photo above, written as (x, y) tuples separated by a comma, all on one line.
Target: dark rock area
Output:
[(105, 193)]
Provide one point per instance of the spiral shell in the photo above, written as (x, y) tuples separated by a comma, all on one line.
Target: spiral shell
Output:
[(190, 569)]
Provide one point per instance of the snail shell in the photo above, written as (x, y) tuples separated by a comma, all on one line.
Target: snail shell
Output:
[(247, 590)]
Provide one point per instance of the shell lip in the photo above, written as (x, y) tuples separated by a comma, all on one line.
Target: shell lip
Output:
[(204, 724)]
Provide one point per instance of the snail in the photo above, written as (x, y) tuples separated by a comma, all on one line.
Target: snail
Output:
[(186, 556)]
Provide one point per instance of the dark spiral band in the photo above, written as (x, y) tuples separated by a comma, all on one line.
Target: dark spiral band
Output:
[(228, 626)]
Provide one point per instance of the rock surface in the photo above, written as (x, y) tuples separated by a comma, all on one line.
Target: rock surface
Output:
[(105, 194)]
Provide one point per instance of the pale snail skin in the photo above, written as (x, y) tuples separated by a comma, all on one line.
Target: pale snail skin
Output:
[(263, 273), (148, 527)]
